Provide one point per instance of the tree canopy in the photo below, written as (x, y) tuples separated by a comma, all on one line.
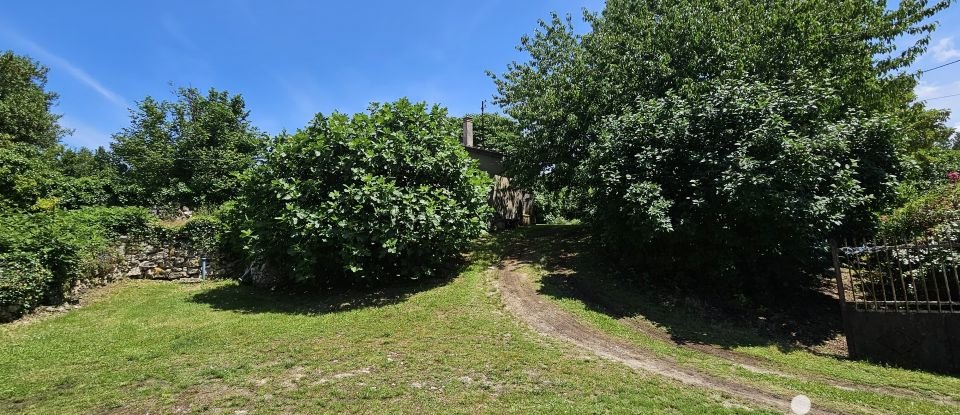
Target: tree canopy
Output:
[(29, 132), (722, 141), (494, 131), (188, 152), (641, 49)]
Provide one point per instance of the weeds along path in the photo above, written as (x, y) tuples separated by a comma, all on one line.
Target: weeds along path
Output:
[(523, 302)]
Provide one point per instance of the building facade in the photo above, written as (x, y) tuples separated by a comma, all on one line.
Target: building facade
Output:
[(512, 206)]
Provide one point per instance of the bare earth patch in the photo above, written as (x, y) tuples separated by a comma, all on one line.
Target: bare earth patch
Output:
[(522, 300)]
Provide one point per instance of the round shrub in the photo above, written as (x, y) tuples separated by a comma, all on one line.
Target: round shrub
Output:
[(383, 195)]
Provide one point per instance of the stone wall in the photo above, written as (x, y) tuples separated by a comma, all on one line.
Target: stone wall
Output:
[(167, 261)]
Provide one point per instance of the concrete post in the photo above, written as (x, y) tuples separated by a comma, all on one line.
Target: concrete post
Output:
[(467, 139)]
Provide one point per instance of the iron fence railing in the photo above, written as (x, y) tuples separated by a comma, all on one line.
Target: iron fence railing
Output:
[(919, 276)]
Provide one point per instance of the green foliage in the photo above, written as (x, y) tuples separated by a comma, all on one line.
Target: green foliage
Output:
[(185, 153), (29, 133), (558, 207), (25, 104), (381, 195), (27, 174), (752, 199), (492, 131), (33, 163), (202, 232), (62, 247), (926, 129), (935, 214), (932, 219), (724, 153), (644, 49), (87, 178), (23, 284), (926, 170)]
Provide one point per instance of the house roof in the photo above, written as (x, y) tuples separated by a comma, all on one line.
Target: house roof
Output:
[(479, 150)]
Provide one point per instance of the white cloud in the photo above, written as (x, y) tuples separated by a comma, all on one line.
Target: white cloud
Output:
[(941, 95), (926, 90), (51, 59), (944, 50)]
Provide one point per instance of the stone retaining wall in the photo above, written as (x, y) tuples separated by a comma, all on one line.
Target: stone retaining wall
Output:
[(167, 261)]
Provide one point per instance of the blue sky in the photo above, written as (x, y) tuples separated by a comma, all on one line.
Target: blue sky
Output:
[(291, 59)]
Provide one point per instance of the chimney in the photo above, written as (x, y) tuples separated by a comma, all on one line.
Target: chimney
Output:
[(467, 139)]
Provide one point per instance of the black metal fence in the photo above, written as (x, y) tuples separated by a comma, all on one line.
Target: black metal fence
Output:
[(921, 276)]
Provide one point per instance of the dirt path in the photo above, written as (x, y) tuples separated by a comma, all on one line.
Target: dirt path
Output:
[(759, 365), (753, 363), (524, 303)]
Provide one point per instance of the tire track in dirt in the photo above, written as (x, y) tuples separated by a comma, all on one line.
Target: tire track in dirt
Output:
[(762, 366), (522, 300), (751, 363)]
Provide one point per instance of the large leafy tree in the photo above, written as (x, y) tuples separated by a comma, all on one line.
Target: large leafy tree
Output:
[(722, 138), (186, 152), (645, 48), (25, 104), (29, 132)]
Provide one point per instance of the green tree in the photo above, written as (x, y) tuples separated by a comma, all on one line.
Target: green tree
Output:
[(724, 153), (379, 196), (494, 131), (25, 104), (926, 129), (29, 132), (187, 152), (641, 49), (88, 178)]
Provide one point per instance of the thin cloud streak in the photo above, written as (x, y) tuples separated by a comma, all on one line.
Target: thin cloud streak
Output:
[(52, 59)]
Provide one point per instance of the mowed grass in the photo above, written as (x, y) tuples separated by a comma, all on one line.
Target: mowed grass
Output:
[(156, 347), (564, 267)]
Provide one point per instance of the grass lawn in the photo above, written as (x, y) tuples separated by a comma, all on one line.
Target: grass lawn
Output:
[(157, 347), (217, 347), (564, 270)]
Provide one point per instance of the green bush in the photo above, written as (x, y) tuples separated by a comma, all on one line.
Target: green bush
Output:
[(935, 214), (203, 232), (24, 284), (926, 170), (383, 195), (931, 220), (558, 207), (63, 247)]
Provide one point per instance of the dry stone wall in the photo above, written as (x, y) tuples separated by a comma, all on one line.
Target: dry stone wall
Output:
[(155, 260)]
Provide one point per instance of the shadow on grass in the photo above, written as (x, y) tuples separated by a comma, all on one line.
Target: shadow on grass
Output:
[(574, 269), (309, 300)]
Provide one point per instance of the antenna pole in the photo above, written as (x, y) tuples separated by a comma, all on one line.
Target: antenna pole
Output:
[(483, 105)]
